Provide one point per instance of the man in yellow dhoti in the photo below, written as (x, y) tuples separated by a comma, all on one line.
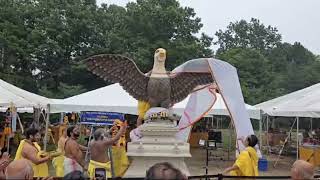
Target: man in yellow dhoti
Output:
[(247, 161), (29, 149), (98, 150), (119, 155)]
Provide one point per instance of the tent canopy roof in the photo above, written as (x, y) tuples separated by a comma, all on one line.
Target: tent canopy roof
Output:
[(301, 103), (19, 97), (113, 98)]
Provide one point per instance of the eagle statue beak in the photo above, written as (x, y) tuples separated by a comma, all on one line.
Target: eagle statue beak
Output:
[(161, 53)]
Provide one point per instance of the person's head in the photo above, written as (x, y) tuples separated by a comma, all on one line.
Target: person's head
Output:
[(99, 134), (251, 141), (73, 132), (302, 170), (33, 135), (164, 171), (75, 175), (19, 169)]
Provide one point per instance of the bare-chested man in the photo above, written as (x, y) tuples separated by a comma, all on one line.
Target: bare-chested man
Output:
[(73, 160), (29, 149), (19, 169), (98, 150)]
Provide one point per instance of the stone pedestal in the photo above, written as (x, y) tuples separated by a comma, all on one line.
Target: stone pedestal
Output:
[(158, 144)]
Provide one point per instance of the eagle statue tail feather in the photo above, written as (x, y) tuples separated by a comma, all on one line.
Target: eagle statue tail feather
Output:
[(143, 107)]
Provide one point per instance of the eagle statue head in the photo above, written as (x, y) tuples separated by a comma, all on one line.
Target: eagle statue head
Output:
[(160, 55)]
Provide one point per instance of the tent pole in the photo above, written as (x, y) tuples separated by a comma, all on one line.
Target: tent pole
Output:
[(211, 120), (47, 127), (285, 142), (267, 134), (230, 139), (260, 130), (311, 124), (61, 117), (217, 123), (297, 137), (87, 152)]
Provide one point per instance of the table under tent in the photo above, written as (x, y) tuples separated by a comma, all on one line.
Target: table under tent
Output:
[(301, 108)]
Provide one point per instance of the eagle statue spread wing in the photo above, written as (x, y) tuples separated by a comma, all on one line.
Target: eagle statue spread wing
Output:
[(159, 88)]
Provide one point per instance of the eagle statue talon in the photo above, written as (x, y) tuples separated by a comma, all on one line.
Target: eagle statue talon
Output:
[(158, 88), (164, 115), (154, 116)]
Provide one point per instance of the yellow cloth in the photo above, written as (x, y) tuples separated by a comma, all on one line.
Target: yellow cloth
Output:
[(94, 164), (247, 162), (120, 160), (19, 150), (58, 164), (7, 131), (143, 107), (40, 170), (115, 130)]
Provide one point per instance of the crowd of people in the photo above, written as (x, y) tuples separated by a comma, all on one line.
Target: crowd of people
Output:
[(30, 161)]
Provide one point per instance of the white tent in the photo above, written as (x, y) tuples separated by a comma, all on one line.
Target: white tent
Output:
[(12, 95), (20, 98), (302, 103), (114, 99)]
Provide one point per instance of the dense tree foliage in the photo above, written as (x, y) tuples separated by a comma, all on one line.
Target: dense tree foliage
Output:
[(245, 34), (267, 67), (43, 43)]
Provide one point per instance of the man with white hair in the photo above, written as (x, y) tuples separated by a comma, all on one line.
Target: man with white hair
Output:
[(302, 170), (19, 169)]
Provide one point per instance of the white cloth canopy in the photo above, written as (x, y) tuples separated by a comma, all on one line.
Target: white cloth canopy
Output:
[(302, 103), (219, 108), (114, 98), (19, 97)]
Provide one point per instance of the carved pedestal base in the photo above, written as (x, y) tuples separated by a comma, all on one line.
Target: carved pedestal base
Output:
[(158, 144)]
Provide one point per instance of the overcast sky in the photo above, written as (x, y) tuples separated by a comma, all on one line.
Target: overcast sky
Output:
[(296, 20)]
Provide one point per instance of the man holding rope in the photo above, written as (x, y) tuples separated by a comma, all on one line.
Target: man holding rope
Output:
[(98, 148)]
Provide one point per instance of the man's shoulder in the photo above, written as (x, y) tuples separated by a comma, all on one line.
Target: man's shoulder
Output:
[(72, 141), (27, 149), (96, 143), (27, 146), (71, 144)]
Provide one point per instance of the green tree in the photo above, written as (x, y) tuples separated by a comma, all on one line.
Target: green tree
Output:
[(43, 43), (294, 67), (283, 68), (243, 34), (253, 73), (152, 24), (16, 58)]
